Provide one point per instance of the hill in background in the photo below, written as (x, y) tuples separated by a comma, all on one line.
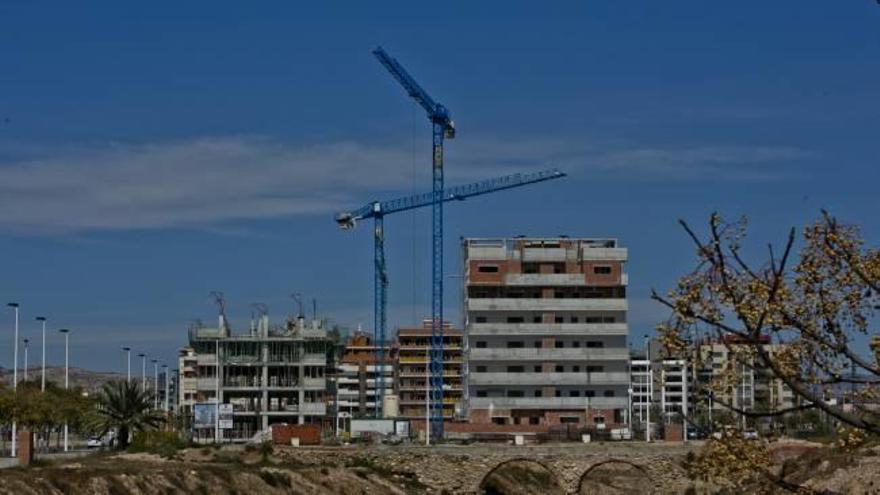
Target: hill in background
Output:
[(79, 377)]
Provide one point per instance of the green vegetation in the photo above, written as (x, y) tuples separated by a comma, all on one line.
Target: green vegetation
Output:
[(46, 412), (164, 443), (125, 408)]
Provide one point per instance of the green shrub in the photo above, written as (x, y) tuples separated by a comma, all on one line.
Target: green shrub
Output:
[(266, 450), (164, 443)]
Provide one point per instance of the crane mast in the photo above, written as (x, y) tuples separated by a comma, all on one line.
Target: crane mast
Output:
[(442, 127), (377, 211)]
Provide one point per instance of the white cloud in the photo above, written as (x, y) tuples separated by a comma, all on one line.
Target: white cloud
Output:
[(208, 181)]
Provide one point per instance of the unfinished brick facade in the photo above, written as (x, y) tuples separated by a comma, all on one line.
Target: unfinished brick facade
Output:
[(546, 331)]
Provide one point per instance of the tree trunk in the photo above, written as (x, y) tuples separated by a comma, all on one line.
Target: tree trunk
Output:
[(122, 438)]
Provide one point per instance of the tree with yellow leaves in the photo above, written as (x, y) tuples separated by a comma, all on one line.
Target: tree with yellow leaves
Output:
[(817, 307)]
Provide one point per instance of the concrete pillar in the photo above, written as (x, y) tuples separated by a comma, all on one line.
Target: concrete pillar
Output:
[(301, 392), (264, 395)]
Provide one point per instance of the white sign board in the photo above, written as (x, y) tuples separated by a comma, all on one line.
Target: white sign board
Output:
[(225, 416)]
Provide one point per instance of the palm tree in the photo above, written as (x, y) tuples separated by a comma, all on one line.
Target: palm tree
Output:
[(126, 408)]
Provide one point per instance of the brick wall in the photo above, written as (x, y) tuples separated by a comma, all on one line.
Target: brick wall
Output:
[(307, 434)]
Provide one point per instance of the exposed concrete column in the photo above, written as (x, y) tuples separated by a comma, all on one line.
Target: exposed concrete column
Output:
[(301, 391), (264, 418), (362, 387)]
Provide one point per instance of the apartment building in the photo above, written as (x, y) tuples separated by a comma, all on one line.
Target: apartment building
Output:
[(358, 376), (749, 386), (545, 331), (664, 383), (268, 375), (187, 380), (412, 366)]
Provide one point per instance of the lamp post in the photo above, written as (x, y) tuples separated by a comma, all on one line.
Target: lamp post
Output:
[(165, 371), (629, 410), (14, 306), (155, 383), (127, 350), (428, 396), (66, 333), (42, 319), (650, 389), (217, 394), (26, 342), (143, 371)]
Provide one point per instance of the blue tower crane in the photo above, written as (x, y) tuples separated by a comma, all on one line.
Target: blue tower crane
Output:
[(377, 211), (443, 127)]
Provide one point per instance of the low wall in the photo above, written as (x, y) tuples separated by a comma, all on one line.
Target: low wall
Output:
[(307, 434)]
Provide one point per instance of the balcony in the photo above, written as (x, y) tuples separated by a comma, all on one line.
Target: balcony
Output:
[(205, 359), (545, 279), (241, 385), (314, 359), (535, 304), (241, 359), (544, 254), (550, 379), (314, 383), (551, 355), (206, 383), (579, 403), (424, 359), (282, 384), (317, 408), (603, 254), (549, 329)]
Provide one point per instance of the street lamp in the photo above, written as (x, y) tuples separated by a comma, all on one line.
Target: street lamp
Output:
[(143, 371), (66, 333), (42, 319), (155, 383), (26, 342), (127, 350), (14, 306), (165, 371), (650, 389)]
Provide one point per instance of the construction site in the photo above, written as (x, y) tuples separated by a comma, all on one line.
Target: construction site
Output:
[(543, 341), (569, 252)]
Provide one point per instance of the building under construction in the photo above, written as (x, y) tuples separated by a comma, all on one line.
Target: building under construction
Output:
[(358, 376), (546, 331), (270, 374), (413, 352)]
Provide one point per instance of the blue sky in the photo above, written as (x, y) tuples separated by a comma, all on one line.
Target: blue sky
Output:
[(150, 154)]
